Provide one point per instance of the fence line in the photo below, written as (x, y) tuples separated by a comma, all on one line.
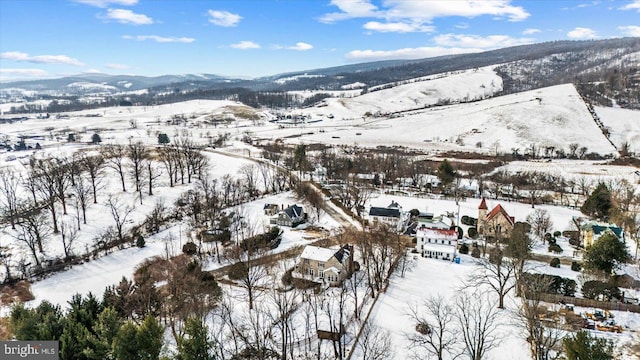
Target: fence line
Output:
[(607, 305)]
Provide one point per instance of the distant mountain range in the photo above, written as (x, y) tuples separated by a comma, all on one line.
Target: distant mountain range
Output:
[(588, 64)]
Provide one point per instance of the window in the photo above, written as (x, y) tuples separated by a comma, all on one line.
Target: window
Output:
[(311, 272), (321, 265), (321, 274), (306, 261)]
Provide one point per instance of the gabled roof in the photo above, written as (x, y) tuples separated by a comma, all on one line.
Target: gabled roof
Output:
[(387, 212), (437, 234), (483, 204), (500, 210), (333, 268), (293, 211), (317, 253), (343, 253), (270, 206), (600, 228), (393, 205), (323, 254)]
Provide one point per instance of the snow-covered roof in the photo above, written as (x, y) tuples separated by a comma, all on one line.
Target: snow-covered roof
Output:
[(437, 234), (317, 253)]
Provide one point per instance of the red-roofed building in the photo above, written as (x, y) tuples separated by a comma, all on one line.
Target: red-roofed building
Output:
[(496, 223), (437, 243)]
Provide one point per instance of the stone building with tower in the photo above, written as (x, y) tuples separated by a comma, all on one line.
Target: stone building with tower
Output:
[(496, 223)]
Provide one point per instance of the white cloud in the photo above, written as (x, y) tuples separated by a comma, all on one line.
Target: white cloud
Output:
[(631, 30), (27, 72), (351, 9), (633, 5), (160, 39), (301, 46), (406, 53), (224, 18), (245, 45), (582, 33), (482, 42), (106, 3), (399, 27), (530, 31), (128, 17), (115, 66), (40, 59), (420, 12)]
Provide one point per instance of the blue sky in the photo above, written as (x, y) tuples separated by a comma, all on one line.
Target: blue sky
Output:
[(53, 38)]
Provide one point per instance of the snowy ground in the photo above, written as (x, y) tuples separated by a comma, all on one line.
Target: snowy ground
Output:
[(554, 116), (432, 277)]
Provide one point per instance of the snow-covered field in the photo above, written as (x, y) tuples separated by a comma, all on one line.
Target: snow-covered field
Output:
[(547, 117), (432, 277), (554, 116), (624, 125)]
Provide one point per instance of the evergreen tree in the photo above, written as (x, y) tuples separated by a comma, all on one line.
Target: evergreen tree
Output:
[(196, 343), (149, 339), (45, 322), (606, 254), (163, 138), (95, 138), (74, 342), (125, 344), (599, 203), (106, 329), (584, 346), (446, 173)]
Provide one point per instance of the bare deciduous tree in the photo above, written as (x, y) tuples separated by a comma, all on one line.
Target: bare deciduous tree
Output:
[(434, 330), (115, 158), (81, 192), (497, 272), (542, 337), (540, 222), (152, 174), (68, 233), (380, 250), (478, 321), (94, 166), (41, 180), (374, 343), (120, 214), (33, 230), (137, 154), (284, 306), (169, 157), (248, 270), (9, 183), (250, 176)]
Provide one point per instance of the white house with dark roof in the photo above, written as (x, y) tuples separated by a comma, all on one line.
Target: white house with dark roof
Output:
[(324, 265), (437, 243), (391, 215), (291, 216)]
